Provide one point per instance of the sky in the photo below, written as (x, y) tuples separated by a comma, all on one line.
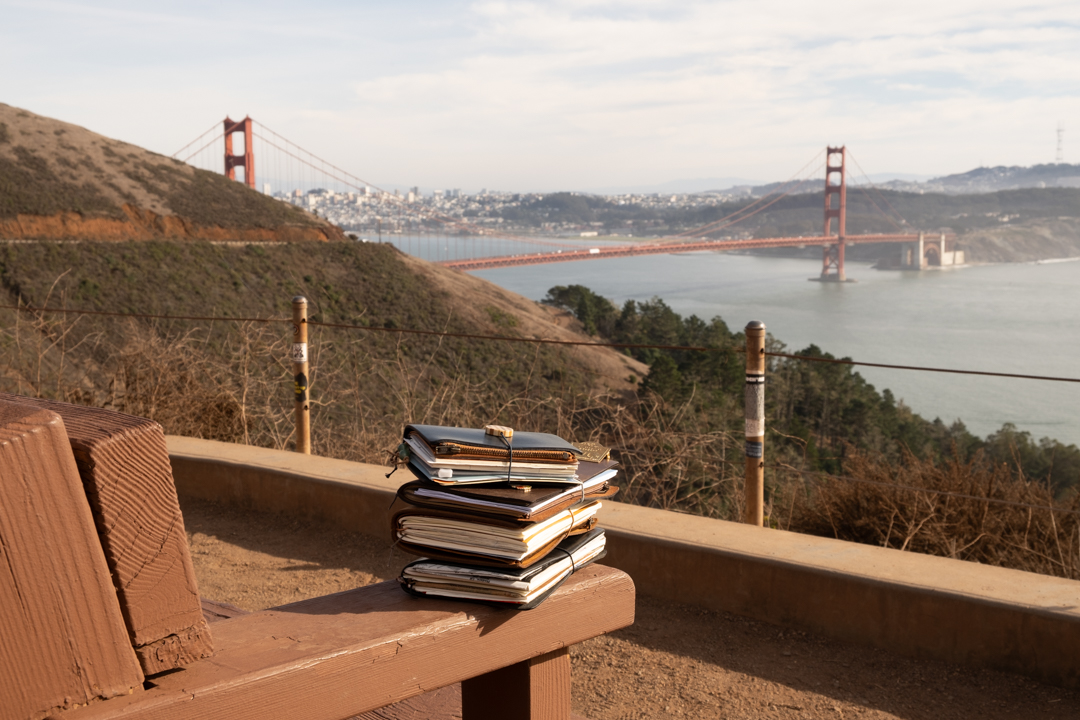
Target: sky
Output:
[(580, 95)]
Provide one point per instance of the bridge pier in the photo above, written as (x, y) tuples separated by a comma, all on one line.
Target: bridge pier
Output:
[(930, 251), (832, 263)]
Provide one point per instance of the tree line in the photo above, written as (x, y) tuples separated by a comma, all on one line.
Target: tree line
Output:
[(817, 413)]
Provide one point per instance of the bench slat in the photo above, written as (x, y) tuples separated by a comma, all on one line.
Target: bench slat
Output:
[(352, 652), (441, 704)]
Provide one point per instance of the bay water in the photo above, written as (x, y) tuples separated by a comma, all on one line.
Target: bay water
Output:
[(1014, 318)]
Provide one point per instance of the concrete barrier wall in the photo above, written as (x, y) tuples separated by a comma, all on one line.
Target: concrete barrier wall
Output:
[(922, 606)]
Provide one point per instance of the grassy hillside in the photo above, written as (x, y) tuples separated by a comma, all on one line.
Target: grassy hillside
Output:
[(229, 380), (93, 187)]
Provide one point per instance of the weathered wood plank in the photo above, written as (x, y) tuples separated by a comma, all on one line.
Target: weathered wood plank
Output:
[(128, 480), (352, 652), (534, 689), (441, 704), (215, 611), (62, 636)]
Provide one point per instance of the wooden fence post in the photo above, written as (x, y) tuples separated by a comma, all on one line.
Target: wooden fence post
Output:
[(300, 374), (754, 513)]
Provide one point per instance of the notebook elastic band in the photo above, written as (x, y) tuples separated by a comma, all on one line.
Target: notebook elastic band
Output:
[(573, 565), (510, 462)]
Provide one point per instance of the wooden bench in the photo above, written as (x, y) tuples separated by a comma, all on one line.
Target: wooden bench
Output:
[(100, 615)]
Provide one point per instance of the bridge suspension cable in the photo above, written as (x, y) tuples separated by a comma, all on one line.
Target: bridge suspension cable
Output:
[(700, 232), (289, 165), (713, 227), (359, 184), (880, 195), (787, 189), (215, 126), (194, 153)]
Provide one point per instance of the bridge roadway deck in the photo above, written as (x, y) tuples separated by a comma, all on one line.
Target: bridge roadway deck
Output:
[(664, 248)]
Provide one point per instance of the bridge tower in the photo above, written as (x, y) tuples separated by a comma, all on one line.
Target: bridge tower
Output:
[(832, 266), (247, 160)]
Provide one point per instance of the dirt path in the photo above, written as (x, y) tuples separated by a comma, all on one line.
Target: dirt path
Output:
[(674, 662)]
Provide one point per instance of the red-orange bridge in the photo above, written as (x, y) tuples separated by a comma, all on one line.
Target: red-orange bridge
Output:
[(829, 243), (925, 250)]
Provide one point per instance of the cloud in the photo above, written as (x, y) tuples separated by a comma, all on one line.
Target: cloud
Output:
[(571, 94)]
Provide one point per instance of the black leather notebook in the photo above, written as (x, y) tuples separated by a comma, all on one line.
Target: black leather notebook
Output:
[(530, 502), (447, 442), (486, 540)]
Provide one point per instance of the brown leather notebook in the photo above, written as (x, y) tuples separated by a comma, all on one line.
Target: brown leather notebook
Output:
[(524, 503), (493, 542)]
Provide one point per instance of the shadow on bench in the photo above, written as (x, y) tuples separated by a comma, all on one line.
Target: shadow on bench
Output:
[(102, 617)]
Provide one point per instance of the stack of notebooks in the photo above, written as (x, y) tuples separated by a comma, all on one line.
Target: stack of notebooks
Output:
[(498, 516)]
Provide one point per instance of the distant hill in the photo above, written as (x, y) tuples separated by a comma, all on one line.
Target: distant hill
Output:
[(994, 179), (682, 186), (62, 182), (972, 182)]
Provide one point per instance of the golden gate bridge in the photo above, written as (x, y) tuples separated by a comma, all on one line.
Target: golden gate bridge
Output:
[(291, 166)]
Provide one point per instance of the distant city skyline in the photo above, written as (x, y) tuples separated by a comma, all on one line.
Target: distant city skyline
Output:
[(566, 95)]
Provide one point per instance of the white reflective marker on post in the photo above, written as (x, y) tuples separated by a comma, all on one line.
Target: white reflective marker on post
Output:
[(754, 513), (299, 352)]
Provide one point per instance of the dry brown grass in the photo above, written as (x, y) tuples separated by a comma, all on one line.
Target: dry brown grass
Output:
[(232, 383), (967, 510)]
